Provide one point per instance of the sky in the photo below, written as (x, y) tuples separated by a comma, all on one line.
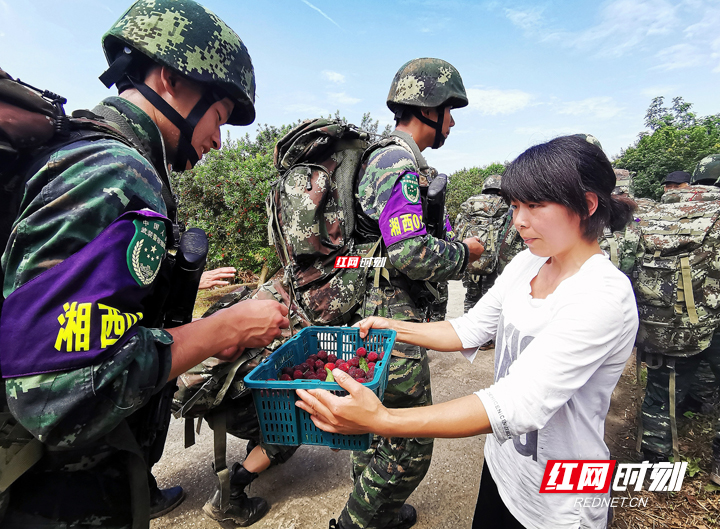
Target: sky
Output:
[(532, 70)]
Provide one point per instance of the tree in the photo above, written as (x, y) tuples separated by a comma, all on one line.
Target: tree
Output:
[(678, 140), (466, 183)]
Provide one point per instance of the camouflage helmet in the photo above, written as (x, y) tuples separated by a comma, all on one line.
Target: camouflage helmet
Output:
[(590, 139), (707, 171), (427, 83), (491, 185), (193, 41)]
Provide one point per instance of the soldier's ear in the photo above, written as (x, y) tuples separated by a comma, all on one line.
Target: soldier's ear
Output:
[(170, 81)]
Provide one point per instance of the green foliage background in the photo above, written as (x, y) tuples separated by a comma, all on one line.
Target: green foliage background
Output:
[(466, 183), (225, 196), (677, 142), (225, 193)]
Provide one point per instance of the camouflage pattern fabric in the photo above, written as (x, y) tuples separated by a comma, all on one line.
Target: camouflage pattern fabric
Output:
[(69, 201), (427, 83), (483, 216), (707, 171), (677, 285), (311, 216), (438, 308), (476, 286), (657, 436), (386, 474), (201, 387), (192, 40), (692, 193), (623, 182)]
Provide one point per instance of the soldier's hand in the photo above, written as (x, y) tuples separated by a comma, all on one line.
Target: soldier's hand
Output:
[(230, 354), (212, 278), (258, 321), (475, 247)]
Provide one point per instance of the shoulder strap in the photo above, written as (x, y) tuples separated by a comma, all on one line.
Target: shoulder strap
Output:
[(127, 132)]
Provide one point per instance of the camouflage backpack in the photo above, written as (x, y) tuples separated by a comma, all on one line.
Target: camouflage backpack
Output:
[(311, 217), (674, 249), (33, 125), (483, 216)]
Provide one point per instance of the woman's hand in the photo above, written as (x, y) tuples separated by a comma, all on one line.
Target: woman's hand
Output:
[(373, 322), (357, 413)]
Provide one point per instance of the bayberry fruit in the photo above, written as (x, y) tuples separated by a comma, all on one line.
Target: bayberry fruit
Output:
[(331, 358), (361, 352), (285, 376), (319, 364), (287, 370), (322, 355), (354, 362), (330, 366), (372, 357), (297, 374), (343, 367)]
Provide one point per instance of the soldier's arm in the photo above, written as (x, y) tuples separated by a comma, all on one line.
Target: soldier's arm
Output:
[(63, 216)]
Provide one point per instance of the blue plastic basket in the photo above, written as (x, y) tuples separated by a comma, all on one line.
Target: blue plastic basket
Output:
[(281, 421)]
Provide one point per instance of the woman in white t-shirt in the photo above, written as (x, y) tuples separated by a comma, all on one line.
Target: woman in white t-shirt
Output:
[(564, 321)]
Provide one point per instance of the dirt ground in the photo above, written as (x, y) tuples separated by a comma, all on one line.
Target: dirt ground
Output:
[(313, 486)]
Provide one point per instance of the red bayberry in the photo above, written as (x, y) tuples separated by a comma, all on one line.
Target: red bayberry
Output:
[(343, 367), (319, 364), (332, 358), (269, 379), (372, 357), (381, 356), (287, 370), (354, 362), (361, 352), (297, 374), (285, 377), (371, 365), (322, 355), (313, 357), (330, 366)]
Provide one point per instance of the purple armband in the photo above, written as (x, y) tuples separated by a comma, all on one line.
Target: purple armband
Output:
[(402, 217), (80, 311)]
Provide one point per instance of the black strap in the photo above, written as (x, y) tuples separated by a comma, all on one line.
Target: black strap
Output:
[(437, 125), (185, 151), (117, 69)]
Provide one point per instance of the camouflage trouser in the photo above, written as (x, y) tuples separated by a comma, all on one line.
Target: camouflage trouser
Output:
[(387, 473), (473, 290), (438, 309), (476, 286), (657, 435)]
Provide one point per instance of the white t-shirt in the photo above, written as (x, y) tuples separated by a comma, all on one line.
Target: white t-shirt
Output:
[(557, 361)]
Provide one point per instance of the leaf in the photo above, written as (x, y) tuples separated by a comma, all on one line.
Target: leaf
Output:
[(364, 365), (689, 414), (330, 377), (711, 487)]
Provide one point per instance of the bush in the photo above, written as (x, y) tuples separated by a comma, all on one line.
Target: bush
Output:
[(678, 141), (225, 196), (466, 183)]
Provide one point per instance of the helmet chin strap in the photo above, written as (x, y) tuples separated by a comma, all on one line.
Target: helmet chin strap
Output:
[(437, 125), (185, 150)]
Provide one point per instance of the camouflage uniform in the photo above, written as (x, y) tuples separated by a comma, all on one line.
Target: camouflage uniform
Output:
[(80, 413), (480, 277), (389, 206), (707, 171), (690, 381)]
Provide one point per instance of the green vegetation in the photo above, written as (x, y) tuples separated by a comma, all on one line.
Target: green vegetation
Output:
[(466, 183), (677, 142)]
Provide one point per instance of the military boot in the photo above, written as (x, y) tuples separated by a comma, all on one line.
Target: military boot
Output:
[(715, 470), (241, 510)]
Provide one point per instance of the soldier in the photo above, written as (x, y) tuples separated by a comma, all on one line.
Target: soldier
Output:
[(86, 273), (389, 205), (676, 180), (695, 373), (475, 283)]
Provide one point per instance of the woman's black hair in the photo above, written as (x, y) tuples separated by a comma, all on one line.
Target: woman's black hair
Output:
[(562, 171)]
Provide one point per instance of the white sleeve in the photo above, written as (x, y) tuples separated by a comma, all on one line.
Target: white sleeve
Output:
[(480, 323), (558, 361)]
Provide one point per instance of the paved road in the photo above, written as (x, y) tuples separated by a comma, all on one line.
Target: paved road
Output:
[(313, 486)]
